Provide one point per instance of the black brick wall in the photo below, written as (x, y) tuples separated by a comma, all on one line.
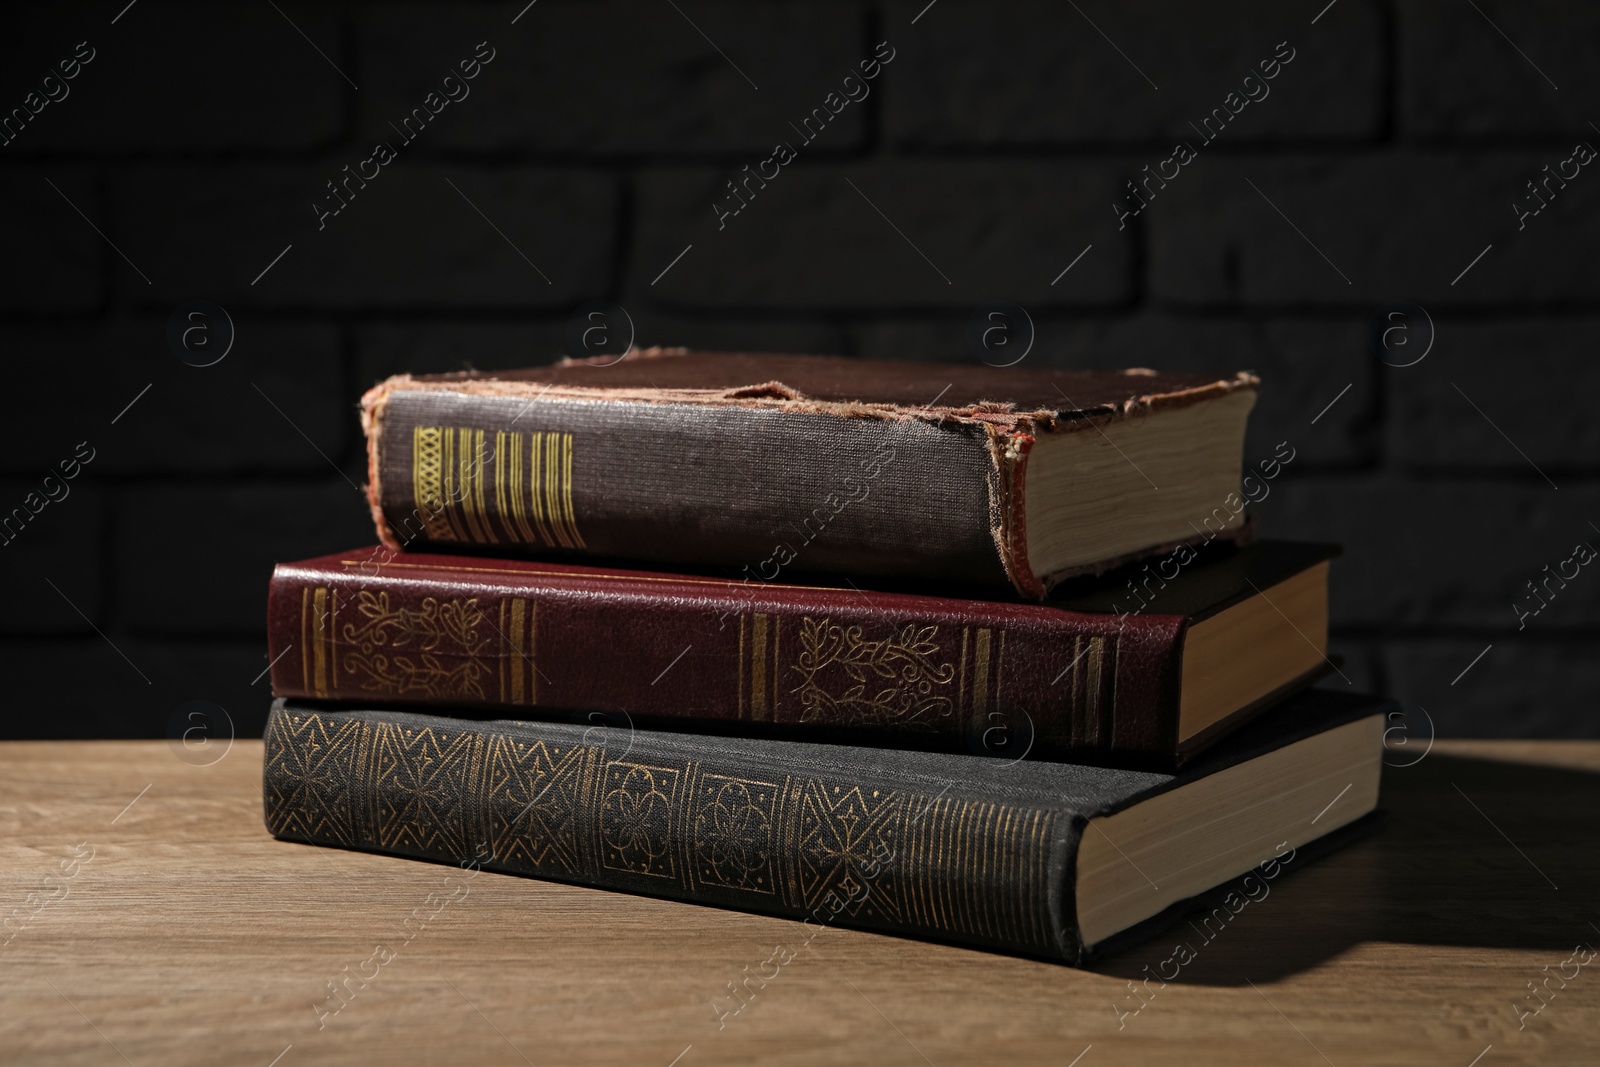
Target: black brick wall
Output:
[(1384, 157)]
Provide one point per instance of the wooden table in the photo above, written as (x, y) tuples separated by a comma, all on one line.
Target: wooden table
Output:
[(167, 927)]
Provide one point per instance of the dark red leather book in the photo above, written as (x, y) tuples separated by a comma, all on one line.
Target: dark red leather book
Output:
[(782, 464), (1145, 667)]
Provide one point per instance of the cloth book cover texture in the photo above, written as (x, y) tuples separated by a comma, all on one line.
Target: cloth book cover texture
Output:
[(958, 848), (1100, 683), (772, 463)]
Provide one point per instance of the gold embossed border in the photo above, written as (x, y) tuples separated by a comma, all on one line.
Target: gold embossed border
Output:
[(805, 844)]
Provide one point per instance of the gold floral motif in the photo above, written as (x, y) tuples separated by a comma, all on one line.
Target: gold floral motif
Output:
[(733, 833), (896, 680), (434, 650), (636, 819)]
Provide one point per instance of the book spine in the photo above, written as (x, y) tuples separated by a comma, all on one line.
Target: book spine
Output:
[(1001, 680), (741, 485), (712, 828)]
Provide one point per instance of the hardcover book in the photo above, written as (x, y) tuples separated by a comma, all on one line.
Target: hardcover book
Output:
[(1045, 859), (1145, 666), (776, 464)]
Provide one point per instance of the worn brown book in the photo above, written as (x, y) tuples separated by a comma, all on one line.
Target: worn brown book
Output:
[(780, 464), (1145, 666)]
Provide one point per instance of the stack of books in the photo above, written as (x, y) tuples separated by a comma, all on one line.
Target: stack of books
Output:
[(985, 655)]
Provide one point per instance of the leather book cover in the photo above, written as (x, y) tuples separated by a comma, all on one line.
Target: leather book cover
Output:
[(1093, 676), (774, 463), (933, 845)]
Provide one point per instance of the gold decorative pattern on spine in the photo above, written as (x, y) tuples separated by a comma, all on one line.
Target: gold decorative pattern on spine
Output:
[(801, 844), (848, 679), (733, 837), (636, 818), (468, 489), (427, 482), (437, 650), (423, 779), (310, 764)]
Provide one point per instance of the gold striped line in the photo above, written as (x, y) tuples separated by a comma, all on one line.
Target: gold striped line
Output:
[(951, 862), (566, 489), (915, 911), (534, 495), (739, 692), (305, 641), (333, 637), (1111, 704), (480, 480), (978, 843), (519, 512), (319, 654), (511, 448), (1005, 858), (980, 676), (962, 861), (905, 860), (519, 611), (975, 870), (1041, 833), (1083, 726), (947, 827), (999, 668), (447, 481), (962, 717), (542, 492), (758, 667), (469, 484), (986, 905), (1091, 688), (1019, 911), (925, 841), (933, 869), (501, 511), (552, 487), (448, 502)]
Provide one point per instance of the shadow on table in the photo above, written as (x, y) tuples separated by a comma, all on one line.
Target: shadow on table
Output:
[(1472, 855)]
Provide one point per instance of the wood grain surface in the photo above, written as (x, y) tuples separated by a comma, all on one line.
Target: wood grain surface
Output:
[(148, 918)]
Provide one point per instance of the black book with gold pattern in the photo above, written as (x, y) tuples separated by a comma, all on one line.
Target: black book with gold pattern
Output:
[(1055, 860)]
